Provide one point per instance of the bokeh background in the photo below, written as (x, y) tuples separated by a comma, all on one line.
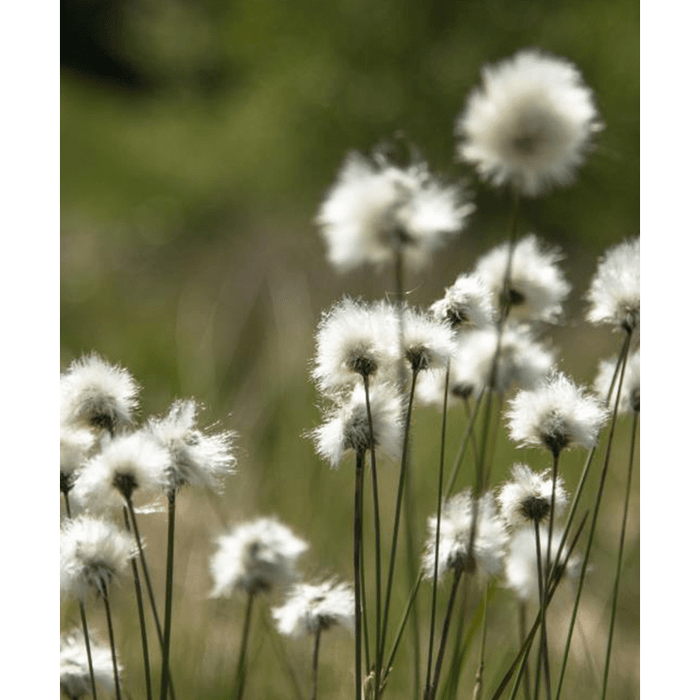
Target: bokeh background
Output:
[(198, 139)]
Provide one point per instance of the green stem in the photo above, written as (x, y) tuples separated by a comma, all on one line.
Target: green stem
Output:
[(357, 544), (167, 623), (618, 570), (314, 663), (110, 631), (482, 659), (142, 616), (469, 432), (522, 617), (240, 665), (544, 657), (596, 508)]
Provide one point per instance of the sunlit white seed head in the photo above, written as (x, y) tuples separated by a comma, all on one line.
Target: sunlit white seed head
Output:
[(536, 287), (489, 544), (355, 340), (375, 209), (521, 574), (311, 607), (428, 344), (614, 293), (196, 459), (75, 671), (255, 557), (347, 427), (97, 395), (556, 415), (629, 396), (529, 124), (76, 447), (527, 498), (468, 303), (93, 553), (127, 465)]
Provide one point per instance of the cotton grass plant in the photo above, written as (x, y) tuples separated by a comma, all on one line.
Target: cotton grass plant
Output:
[(481, 355)]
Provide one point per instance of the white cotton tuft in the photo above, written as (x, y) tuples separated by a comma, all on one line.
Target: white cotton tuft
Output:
[(529, 124), (467, 303), (629, 396), (75, 670)]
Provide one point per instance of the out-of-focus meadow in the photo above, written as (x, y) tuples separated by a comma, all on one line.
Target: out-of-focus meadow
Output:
[(197, 142)]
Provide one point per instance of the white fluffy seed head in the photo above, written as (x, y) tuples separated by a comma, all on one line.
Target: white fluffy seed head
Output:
[(93, 553), (428, 343), (467, 303), (521, 561), (75, 671), (97, 395), (556, 415), (629, 396), (455, 533), (347, 429), (354, 340), (375, 209), (528, 497), (77, 445), (536, 287), (311, 607), (255, 557), (529, 124), (196, 459), (614, 294), (130, 465)]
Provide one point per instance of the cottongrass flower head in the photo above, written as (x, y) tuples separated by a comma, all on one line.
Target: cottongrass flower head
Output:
[(347, 426), (376, 209), (355, 340), (93, 553), (614, 294), (536, 285), (629, 396), (556, 415), (527, 499), (255, 557), (196, 459), (428, 344), (466, 304), (314, 607), (97, 395), (127, 464), (75, 671), (489, 546), (76, 447), (521, 570), (530, 123)]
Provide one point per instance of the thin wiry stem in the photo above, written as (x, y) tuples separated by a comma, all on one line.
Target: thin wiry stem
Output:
[(433, 608), (543, 628), (240, 665), (167, 623), (83, 616), (110, 630), (522, 615), (618, 570), (397, 512), (482, 659), (521, 658), (469, 432), (142, 616), (363, 584), (357, 544), (596, 508), (314, 663), (432, 691), (377, 537), (461, 645)]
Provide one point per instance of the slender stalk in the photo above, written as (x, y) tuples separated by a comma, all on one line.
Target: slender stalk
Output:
[(115, 666), (397, 512), (480, 672), (142, 616), (167, 622), (469, 431), (462, 642), (83, 615), (594, 519), (522, 617), (314, 663), (433, 608), (402, 625), (281, 655), (363, 584), (544, 656), (377, 539), (618, 570), (240, 665), (357, 543), (431, 692)]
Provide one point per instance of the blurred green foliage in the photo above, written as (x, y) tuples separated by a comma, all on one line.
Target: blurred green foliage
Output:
[(192, 172)]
